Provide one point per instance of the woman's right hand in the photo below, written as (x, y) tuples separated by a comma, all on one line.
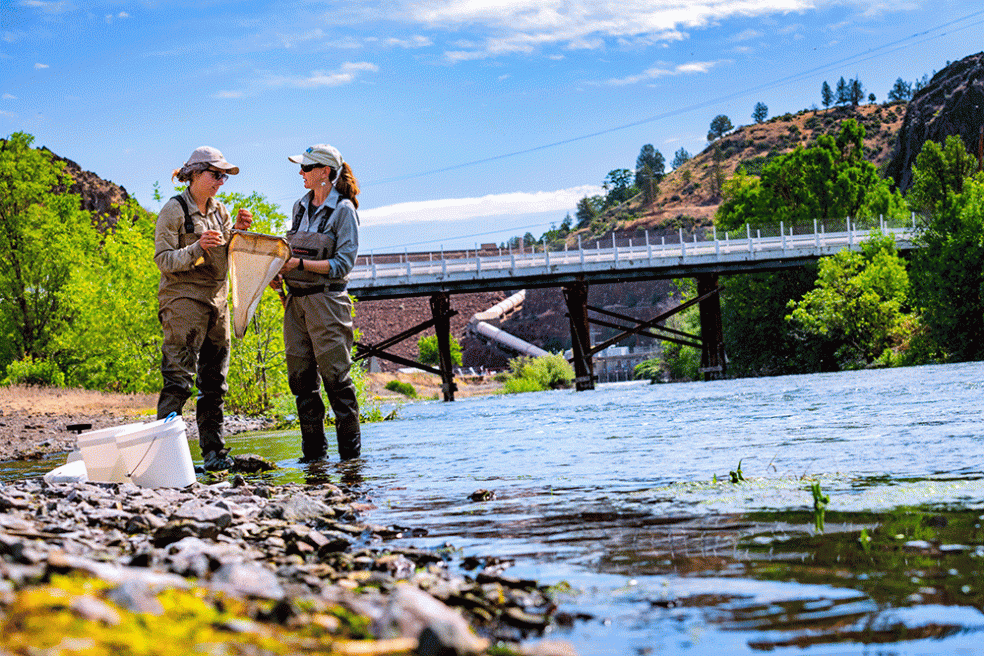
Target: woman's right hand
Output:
[(210, 239)]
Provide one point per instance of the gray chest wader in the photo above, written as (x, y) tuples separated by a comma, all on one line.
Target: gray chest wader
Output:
[(205, 352), (314, 297)]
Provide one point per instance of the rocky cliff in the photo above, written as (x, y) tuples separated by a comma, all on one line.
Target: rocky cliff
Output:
[(952, 103), (101, 197)]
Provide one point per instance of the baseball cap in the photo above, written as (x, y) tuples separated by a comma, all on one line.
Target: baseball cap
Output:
[(212, 156), (319, 154)]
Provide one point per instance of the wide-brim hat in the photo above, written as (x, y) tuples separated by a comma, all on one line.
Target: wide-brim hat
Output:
[(212, 157), (319, 154)]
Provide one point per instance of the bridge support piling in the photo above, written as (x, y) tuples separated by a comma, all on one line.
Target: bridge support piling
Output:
[(576, 296), (713, 364), (441, 311)]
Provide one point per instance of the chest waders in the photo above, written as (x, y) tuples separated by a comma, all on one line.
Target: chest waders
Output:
[(195, 350), (318, 338)]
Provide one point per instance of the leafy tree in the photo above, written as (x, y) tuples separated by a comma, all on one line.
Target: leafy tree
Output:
[(649, 156), (872, 99), (826, 95), (855, 92), (565, 225), (757, 338), (948, 271), (720, 126), (901, 91), (761, 112), (680, 158), (859, 307), (939, 174), (587, 210), (114, 339), (428, 352), (618, 184), (829, 181), (43, 236)]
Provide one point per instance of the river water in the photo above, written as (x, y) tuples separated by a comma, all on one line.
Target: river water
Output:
[(622, 499)]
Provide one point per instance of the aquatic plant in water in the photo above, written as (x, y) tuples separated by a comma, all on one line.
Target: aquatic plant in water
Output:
[(820, 501)]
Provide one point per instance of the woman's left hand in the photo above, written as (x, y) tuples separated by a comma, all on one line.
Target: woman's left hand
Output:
[(243, 219)]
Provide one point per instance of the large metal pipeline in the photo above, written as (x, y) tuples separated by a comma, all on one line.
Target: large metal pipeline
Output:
[(479, 324)]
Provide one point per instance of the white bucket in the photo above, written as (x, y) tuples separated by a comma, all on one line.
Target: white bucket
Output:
[(157, 454), (103, 461)]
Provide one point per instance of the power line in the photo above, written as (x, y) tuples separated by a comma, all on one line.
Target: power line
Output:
[(879, 51)]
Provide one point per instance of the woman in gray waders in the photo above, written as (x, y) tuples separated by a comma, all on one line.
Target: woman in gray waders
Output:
[(191, 247), (324, 240)]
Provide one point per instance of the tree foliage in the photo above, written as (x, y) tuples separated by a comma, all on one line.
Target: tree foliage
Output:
[(428, 352), (653, 159), (901, 91), (44, 236), (859, 307), (680, 158), (720, 126), (827, 182), (826, 95), (760, 113), (948, 271), (618, 184)]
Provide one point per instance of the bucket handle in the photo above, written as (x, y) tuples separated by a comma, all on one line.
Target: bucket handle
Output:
[(170, 417)]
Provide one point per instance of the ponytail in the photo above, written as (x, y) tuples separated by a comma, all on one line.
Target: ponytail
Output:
[(346, 184)]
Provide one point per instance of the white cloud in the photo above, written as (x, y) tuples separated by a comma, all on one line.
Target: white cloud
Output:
[(520, 26), (49, 7), (8, 96), (454, 209), (345, 74), (111, 17), (411, 43), (8, 114), (39, 66), (657, 72)]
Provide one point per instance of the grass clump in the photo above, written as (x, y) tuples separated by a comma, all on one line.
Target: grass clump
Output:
[(547, 372), (400, 387)]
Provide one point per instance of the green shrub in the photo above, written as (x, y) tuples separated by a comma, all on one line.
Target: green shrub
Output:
[(43, 373), (428, 352), (528, 374), (400, 387)]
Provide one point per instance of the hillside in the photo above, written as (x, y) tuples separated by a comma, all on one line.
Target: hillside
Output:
[(689, 195)]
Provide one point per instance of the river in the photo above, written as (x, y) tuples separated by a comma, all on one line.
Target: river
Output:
[(622, 499)]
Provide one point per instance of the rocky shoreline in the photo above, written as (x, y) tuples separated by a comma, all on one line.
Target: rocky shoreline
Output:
[(294, 560)]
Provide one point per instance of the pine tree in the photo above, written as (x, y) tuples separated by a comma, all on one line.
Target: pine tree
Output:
[(826, 95), (761, 112)]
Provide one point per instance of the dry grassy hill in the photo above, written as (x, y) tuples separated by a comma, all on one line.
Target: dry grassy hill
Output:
[(689, 195)]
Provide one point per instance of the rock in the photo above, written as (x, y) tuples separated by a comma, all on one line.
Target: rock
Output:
[(201, 513), (482, 495), (952, 103), (250, 463), (250, 580), (297, 508), (183, 528), (440, 631)]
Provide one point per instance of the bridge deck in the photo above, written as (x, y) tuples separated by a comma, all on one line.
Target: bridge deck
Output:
[(604, 265)]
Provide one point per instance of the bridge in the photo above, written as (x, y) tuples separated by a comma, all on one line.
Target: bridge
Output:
[(702, 256)]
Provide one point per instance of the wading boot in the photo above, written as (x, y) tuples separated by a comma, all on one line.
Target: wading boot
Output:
[(349, 437), (218, 460), (313, 444)]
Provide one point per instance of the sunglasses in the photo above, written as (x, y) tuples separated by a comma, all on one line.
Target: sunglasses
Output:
[(219, 175), (307, 168)]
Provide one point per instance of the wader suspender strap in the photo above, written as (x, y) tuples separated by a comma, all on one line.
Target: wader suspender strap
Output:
[(189, 225), (299, 214)]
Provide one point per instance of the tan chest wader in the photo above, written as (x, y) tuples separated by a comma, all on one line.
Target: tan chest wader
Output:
[(194, 315), (318, 338)]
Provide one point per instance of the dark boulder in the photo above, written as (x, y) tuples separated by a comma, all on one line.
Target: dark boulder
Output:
[(952, 103)]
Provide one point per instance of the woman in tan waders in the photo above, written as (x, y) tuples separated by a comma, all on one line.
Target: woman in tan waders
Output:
[(324, 239), (191, 242)]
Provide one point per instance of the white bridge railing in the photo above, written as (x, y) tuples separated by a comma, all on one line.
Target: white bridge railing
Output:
[(647, 255)]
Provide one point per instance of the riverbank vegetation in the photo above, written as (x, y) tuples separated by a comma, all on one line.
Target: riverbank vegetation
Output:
[(80, 306), (529, 374), (868, 308)]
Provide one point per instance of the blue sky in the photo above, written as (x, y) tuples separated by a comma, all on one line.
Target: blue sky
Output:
[(466, 121)]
